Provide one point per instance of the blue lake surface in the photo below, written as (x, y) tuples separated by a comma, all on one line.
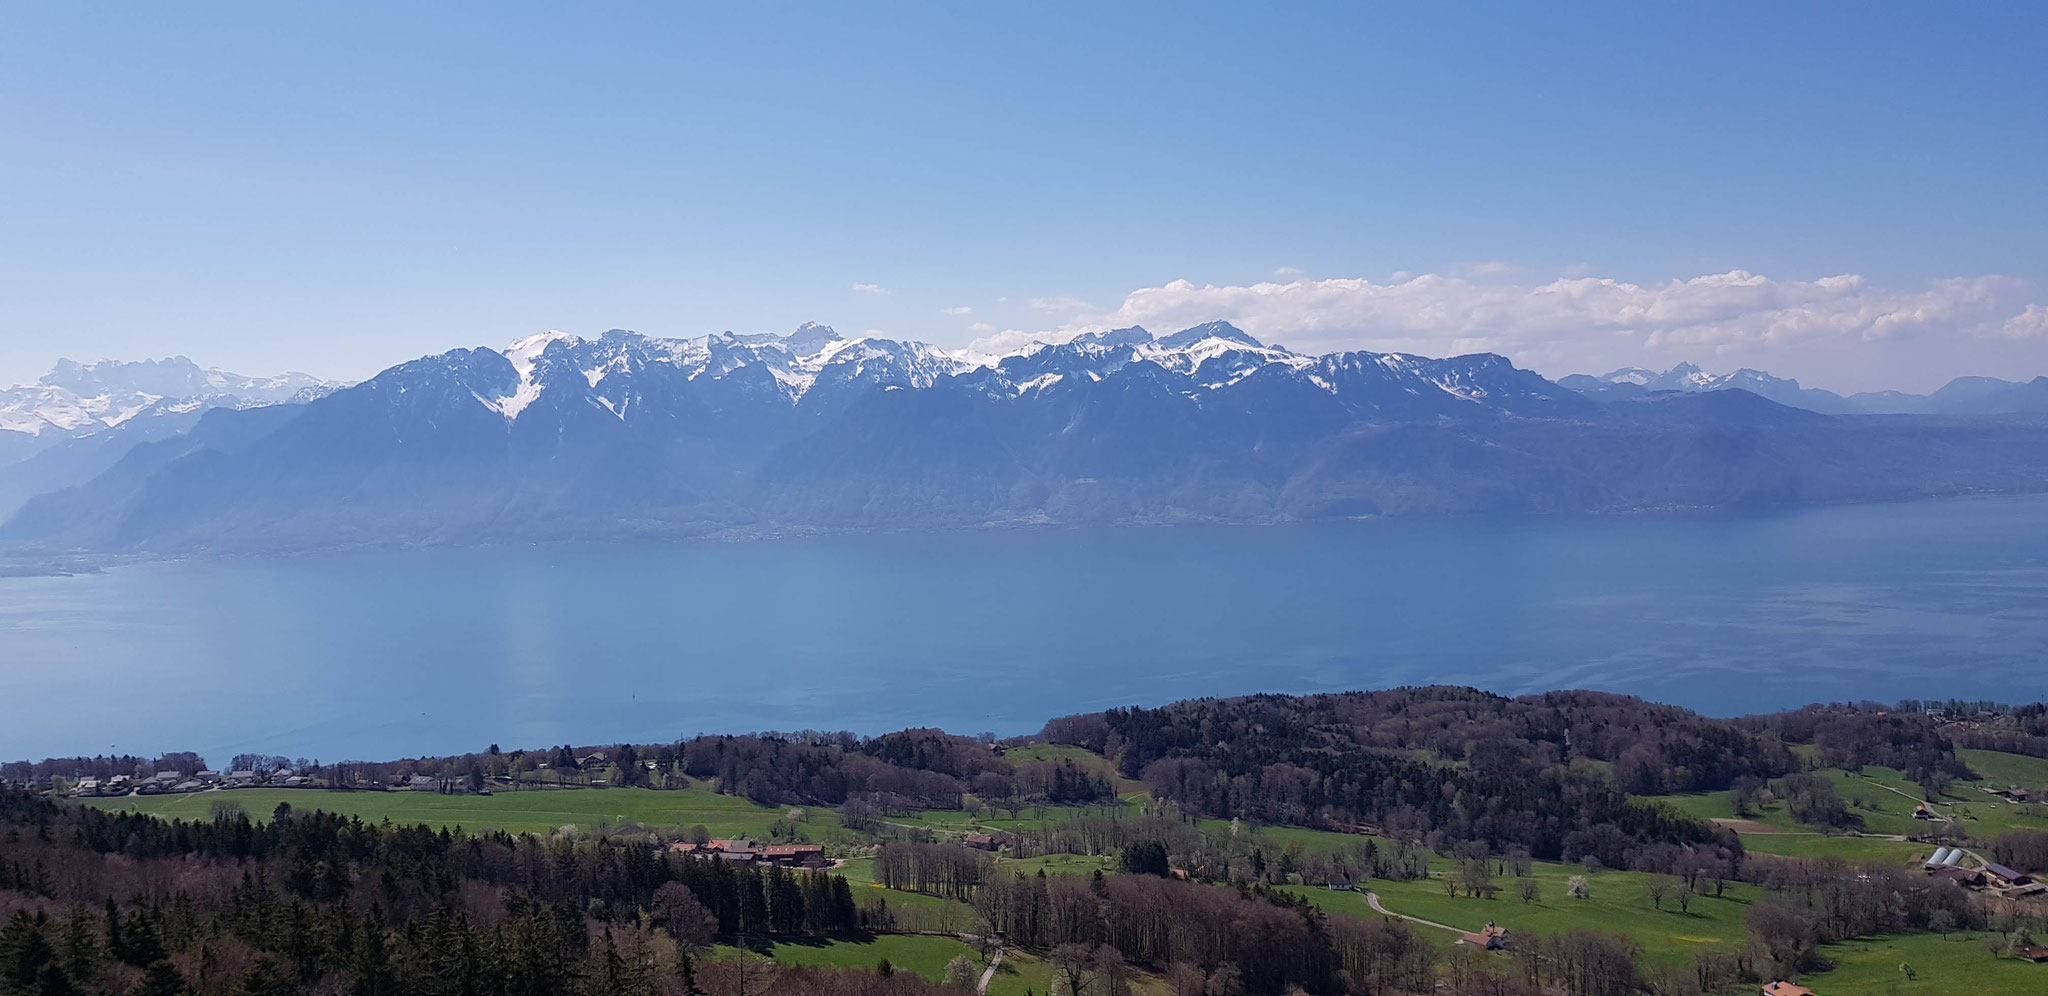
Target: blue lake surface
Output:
[(378, 655)]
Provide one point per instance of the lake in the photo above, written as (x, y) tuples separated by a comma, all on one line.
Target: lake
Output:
[(379, 655)]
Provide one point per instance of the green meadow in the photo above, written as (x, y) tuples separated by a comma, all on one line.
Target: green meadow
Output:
[(1958, 963), (531, 811), (1617, 901)]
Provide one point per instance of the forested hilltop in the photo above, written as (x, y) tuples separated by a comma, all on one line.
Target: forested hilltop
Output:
[(1414, 840)]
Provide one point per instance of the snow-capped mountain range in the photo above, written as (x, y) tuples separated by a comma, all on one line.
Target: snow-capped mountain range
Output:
[(566, 437), (815, 369), (79, 398), (80, 418)]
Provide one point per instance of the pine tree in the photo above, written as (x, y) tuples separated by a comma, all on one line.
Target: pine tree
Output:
[(371, 960), (161, 979), (81, 945), (687, 968), (262, 979), (24, 953), (53, 982), (116, 944)]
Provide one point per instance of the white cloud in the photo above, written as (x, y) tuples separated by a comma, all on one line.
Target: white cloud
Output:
[(1286, 273), (1060, 305), (1487, 268), (992, 342), (2028, 324), (961, 310), (870, 289), (1579, 322), (1842, 332)]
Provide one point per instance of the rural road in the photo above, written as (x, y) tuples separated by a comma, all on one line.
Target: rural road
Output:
[(989, 974), (1372, 899)]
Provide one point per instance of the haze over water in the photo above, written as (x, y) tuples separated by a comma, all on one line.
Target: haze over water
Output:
[(378, 655)]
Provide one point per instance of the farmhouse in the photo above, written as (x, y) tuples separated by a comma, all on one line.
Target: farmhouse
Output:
[(1491, 937), (795, 855), (1786, 989), (982, 841)]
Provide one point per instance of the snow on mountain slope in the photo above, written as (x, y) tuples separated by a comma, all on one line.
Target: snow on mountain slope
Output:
[(815, 369), (1630, 382), (79, 398), (107, 406)]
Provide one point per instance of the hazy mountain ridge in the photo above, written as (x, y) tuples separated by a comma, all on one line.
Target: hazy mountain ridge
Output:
[(78, 419), (1961, 396), (560, 437)]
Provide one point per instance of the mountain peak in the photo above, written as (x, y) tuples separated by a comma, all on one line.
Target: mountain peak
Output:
[(1209, 330), (809, 338), (1133, 336)]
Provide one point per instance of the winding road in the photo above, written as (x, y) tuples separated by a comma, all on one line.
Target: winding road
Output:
[(1372, 899)]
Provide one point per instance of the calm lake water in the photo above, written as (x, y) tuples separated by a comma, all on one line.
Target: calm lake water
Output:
[(379, 655)]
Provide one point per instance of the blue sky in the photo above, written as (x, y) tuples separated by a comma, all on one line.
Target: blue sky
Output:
[(337, 188)]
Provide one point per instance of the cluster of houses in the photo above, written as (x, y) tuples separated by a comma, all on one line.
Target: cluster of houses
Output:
[(746, 852), (199, 781), (1993, 878)]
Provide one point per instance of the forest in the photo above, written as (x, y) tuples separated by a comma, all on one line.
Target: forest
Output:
[(1447, 785)]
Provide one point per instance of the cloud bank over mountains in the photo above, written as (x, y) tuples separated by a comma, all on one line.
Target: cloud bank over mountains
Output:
[(1598, 323)]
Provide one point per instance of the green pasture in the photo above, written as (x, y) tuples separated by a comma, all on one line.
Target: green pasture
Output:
[(1958, 963), (532, 811)]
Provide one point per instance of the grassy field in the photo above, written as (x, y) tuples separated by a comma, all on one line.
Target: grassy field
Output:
[(1958, 964), (914, 910), (2000, 769), (923, 955), (1719, 806), (1619, 901), (1812, 845), (1883, 799), (927, 956), (1057, 864), (518, 812)]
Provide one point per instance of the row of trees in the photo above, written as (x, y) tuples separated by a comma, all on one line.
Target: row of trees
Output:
[(947, 870)]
